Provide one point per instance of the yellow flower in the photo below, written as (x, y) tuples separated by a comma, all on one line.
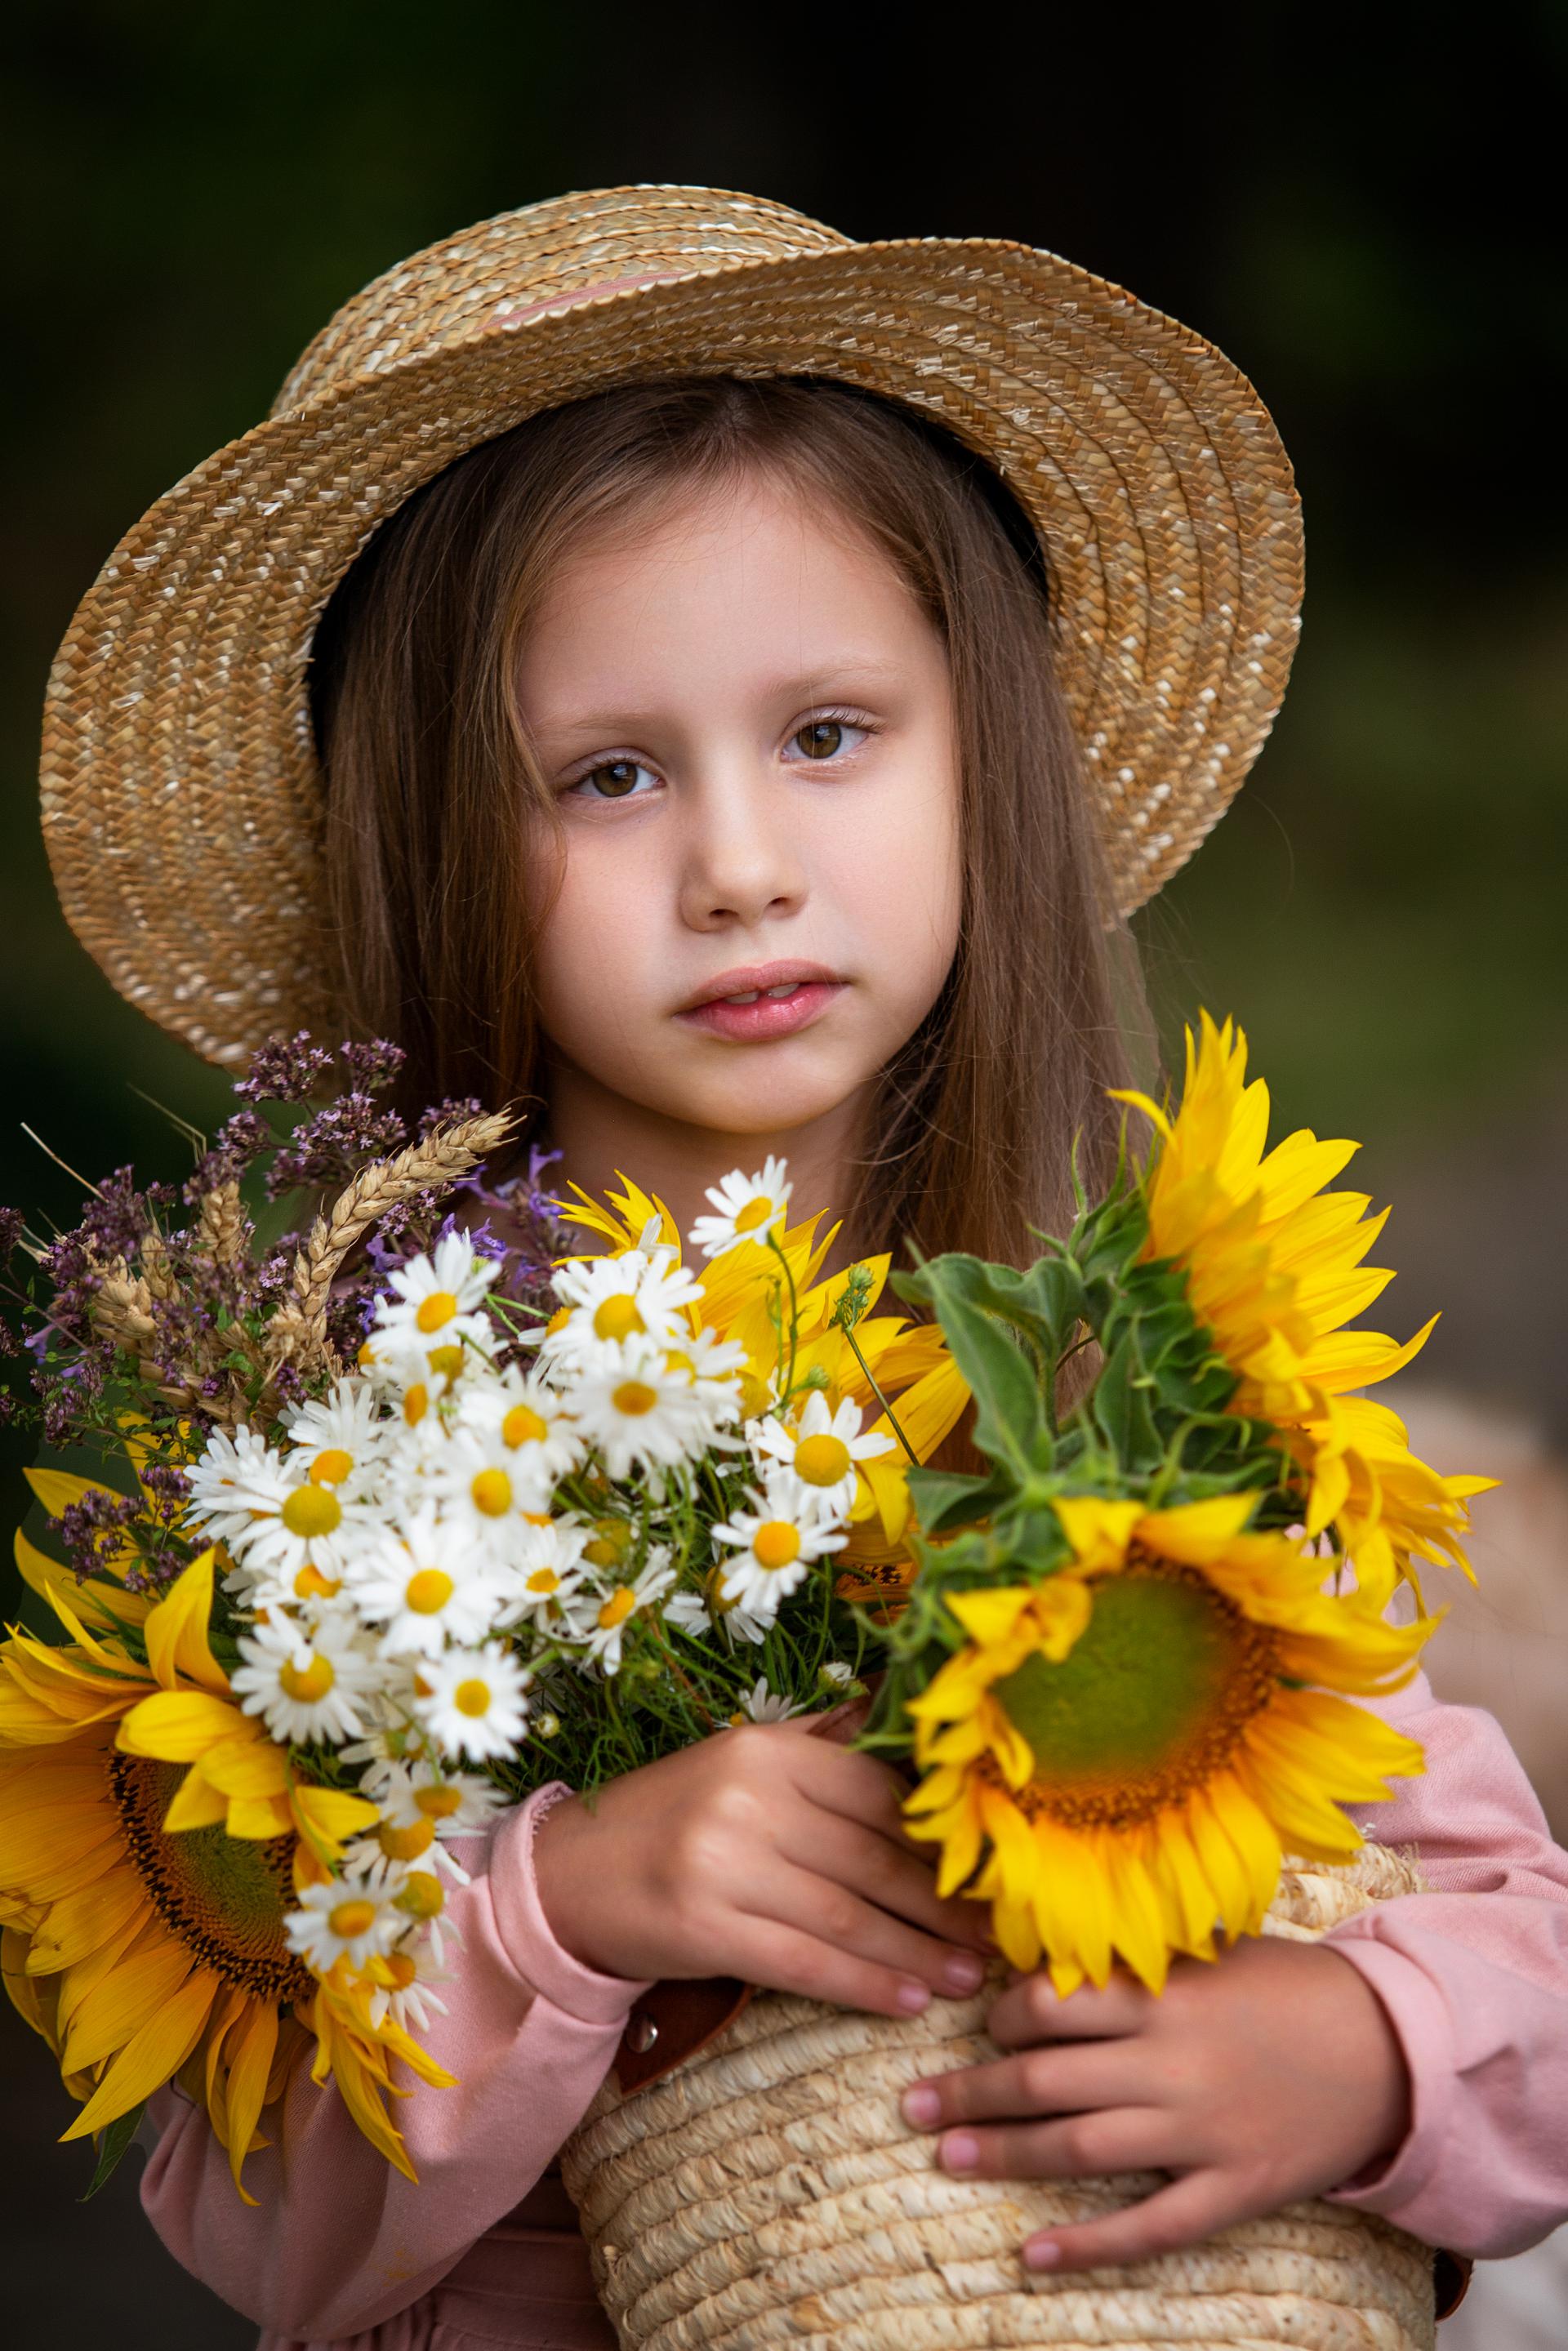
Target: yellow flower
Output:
[(908, 1361), (1274, 1269), (150, 1842), (1124, 1751)]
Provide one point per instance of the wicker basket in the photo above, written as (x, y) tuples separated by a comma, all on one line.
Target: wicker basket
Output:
[(767, 2193)]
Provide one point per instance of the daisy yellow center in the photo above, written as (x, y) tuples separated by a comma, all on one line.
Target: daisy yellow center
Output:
[(559, 1320), (544, 1579), (427, 1591), (754, 1396), (222, 1899), (776, 1545), (635, 1397), (311, 1510), (307, 1685), (422, 1898), (446, 1361), (524, 1426), (435, 1312), (367, 1355), (438, 1803), (611, 1541), (617, 1318), (821, 1460), (472, 1697), (617, 1608), (1153, 1700), (756, 1212), (311, 1584), (415, 1403), (331, 1465), (402, 1969), (713, 1592), (348, 1919), (407, 1842), (491, 1493)]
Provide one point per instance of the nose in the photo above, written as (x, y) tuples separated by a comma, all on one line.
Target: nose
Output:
[(741, 861)]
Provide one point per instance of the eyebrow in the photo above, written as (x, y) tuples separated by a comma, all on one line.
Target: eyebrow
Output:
[(844, 676)]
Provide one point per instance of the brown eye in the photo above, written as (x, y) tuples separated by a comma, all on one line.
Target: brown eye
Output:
[(822, 738), (615, 778)]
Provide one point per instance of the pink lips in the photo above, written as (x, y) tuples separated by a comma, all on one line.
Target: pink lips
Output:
[(810, 989)]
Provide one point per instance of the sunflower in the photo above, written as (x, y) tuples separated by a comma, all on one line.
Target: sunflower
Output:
[(1125, 1751), (151, 1840), (1274, 1269), (909, 1362)]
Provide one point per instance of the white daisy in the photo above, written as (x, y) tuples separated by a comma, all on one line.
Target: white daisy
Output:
[(425, 1588), (292, 1525), (610, 1299), (484, 1489), (406, 1995), (339, 1439), (834, 1675), (687, 1610), (639, 1414), (603, 1620), (545, 1573), (760, 1705), (419, 1813), (821, 1450), (532, 1421), (775, 1546), (231, 1480), (749, 1207), (307, 1683), (438, 1304), (474, 1702), (346, 1917)]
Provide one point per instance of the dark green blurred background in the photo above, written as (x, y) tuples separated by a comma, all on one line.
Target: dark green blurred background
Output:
[(1343, 201)]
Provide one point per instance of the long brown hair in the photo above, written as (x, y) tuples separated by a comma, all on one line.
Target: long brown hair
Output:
[(431, 785)]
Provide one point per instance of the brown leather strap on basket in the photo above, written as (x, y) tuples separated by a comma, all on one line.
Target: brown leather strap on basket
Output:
[(671, 2022), (1451, 2278)]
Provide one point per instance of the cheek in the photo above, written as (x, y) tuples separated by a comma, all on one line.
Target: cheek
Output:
[(593, 948), (897, 873)]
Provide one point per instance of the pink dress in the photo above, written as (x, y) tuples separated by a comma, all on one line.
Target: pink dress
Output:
[(342, 2254)]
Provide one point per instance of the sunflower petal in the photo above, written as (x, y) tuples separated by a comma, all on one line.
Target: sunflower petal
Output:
[(151, 2055)]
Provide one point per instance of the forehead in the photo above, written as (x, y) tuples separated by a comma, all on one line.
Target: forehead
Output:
[(754, 574)]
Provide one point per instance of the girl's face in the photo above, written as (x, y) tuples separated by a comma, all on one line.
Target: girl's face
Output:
[(748, 724)]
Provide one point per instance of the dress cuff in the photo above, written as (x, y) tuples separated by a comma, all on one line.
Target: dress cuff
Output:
[(1420, 2021), (527, 1936)]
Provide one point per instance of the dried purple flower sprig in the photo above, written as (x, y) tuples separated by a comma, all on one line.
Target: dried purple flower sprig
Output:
[(179, 1326)]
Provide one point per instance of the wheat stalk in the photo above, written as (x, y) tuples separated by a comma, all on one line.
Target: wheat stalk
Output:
[(297, 1332), (222, 1224)]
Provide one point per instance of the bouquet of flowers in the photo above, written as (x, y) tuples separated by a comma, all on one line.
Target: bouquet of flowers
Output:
[(416, 1515)]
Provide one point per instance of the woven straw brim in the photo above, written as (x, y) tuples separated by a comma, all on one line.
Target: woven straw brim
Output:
[(769, 2192), (180, 792)]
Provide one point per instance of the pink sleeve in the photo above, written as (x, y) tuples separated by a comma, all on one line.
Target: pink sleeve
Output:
[(338, 2241), (1474, 1979)]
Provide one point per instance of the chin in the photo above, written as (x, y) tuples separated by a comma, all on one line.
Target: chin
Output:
[(764, 1103)]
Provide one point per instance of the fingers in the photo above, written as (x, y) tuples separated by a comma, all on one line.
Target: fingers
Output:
[(856, 1786), (785, 1958), (1076, 2146), (837, 1916), (1190, 2209), (1032, 2011), (886, 1874), (1074, 2079)]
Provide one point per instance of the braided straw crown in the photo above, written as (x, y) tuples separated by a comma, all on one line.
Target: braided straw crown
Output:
[(181, 790)]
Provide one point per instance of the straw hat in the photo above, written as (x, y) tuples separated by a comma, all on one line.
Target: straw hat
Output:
[(181, 791)]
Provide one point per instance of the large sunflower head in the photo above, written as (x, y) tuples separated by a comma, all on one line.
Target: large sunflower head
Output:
[(1119, 1755), (1274, 1269), (149, 1833)]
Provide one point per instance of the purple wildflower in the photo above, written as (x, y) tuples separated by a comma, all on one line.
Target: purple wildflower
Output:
[(287, 1068)]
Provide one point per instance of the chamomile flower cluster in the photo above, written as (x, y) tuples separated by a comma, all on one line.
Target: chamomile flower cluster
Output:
[(430, 1565)]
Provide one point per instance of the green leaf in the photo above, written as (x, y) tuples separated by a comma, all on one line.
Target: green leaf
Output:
[(942, 1499), (1002, 1377), (111, 2143), (1120, 1408)]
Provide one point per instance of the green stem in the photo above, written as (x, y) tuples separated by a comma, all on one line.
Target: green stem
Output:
[(870, 1381)]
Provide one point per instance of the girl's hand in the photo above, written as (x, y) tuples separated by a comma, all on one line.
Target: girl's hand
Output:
[(764, 1854), (1271, 2075)]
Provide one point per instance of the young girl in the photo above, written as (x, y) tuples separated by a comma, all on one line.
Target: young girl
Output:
[(712, 749)]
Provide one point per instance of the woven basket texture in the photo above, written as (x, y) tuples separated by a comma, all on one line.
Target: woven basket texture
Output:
[(181, 797), (767, 2193)]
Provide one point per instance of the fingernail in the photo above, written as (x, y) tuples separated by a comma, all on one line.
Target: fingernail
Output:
[(960, 2151), (1042, 2253), (912, 1998), (965, 1971), (920, 2107)]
